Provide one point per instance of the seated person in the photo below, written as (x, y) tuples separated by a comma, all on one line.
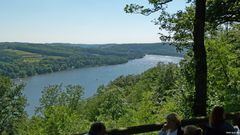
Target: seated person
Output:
[(172, 127), (97, 128), (218, 125), (192, 130)]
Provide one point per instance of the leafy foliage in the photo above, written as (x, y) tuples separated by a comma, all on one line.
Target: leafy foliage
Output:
[(12, 103), (142, 99), (178, 27)]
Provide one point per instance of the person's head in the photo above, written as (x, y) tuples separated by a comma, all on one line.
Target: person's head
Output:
[(173, 121), (192, 130), (97, 128), (217, 116)]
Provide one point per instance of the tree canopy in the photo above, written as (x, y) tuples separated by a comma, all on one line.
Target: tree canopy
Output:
[(187, 29), (12, 104)]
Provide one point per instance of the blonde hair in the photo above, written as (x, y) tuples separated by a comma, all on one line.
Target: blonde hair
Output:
[(174, 118), (192, 130)]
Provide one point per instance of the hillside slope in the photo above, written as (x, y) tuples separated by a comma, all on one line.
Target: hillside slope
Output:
[(27, 59)]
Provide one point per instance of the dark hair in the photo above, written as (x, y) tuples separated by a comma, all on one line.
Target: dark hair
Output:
[(97, 128), (174, 118), (217, 116), (192, 130)]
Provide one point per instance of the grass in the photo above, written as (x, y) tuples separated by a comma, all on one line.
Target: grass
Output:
[(28, 57), (31, 60), (2, 62), (55, 57), (22, 53), (38, 59)]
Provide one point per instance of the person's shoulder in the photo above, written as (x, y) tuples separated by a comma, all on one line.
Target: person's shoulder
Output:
[(161, 132), (227, 126), (180, 131)]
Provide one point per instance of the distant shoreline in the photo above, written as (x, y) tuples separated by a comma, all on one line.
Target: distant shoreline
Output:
[(21, 60), (71, 69)]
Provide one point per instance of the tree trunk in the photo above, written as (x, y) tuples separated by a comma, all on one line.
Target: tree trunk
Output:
[(200, 104)]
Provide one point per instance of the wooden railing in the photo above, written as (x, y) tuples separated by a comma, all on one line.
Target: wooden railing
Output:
[(200, 121)]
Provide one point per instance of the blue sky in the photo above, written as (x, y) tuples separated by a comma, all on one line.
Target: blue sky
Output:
[(76, 21)]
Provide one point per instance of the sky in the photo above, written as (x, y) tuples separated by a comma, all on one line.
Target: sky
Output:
[(77, 21)]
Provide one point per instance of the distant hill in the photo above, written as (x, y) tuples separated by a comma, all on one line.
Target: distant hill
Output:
[(27, 59), (146, 48)]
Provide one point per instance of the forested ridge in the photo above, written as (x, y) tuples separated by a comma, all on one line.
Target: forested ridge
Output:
[(18, 60)]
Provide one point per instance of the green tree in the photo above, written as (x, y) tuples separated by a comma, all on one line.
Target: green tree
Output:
[(199, 107), (222, 11), (12, 103), (223, 72), (55, 95), (180, 27), (223, 63), (60, 111)]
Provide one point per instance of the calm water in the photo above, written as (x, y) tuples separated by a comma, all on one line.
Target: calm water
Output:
[(89, 78)]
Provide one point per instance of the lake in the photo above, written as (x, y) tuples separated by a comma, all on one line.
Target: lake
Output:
[(89, 78)]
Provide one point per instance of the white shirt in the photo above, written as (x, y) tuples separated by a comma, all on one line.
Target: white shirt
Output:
[(237, 130), (168, 132)]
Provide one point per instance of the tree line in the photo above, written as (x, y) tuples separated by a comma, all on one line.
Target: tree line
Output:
[(19, 60)]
